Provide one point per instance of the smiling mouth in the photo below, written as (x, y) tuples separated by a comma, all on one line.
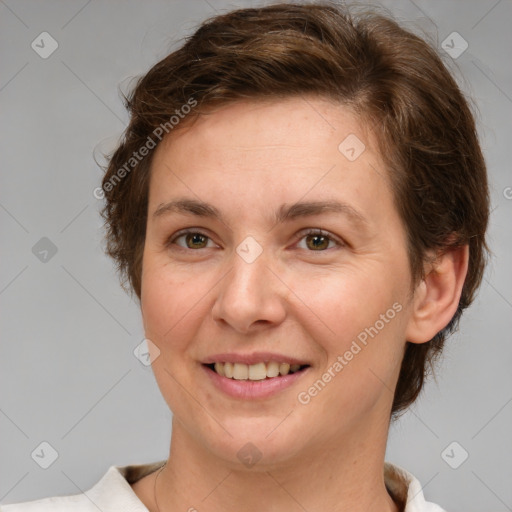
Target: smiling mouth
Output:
[(255, 372)]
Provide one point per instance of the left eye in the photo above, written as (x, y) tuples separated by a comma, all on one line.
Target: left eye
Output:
[(318, 241)]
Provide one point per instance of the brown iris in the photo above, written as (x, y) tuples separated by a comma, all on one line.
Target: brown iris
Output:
[(195, 239), (319, 241)]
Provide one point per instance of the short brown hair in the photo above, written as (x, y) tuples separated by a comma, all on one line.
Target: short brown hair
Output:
[(367, 62)]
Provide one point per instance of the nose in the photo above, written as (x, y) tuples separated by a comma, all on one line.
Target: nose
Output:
[(251, 296)]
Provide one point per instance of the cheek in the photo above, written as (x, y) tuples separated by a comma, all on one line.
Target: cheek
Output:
[(347, 301), (363, 316), (170, 315), (167, 304)]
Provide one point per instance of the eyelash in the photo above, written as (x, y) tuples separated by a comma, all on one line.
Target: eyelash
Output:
[(308, 232)]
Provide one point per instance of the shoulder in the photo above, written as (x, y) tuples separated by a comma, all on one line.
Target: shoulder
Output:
[(406, 489), (113, 493), (74, 503)]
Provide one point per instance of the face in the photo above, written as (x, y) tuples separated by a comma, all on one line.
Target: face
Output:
[(275, 284)]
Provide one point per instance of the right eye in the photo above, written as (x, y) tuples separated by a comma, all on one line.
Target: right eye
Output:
[(193, 239)]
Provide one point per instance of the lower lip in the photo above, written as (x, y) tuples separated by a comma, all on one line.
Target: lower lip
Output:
[(253, 389)]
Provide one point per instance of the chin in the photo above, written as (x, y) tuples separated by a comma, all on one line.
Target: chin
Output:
[(256, 443)]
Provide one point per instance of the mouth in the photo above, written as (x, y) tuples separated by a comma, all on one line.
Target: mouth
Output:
[(264, 370), (256, 376)]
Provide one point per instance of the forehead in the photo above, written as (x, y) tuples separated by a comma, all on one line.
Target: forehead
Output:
[(271, 122), (310, 127), (284, 149)]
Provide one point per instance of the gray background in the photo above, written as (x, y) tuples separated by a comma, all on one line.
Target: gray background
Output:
[(68, 373)]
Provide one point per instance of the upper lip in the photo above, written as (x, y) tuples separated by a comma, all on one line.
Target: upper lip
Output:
[(253, 358)]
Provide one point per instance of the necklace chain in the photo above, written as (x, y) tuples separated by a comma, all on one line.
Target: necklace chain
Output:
[(154, 491)]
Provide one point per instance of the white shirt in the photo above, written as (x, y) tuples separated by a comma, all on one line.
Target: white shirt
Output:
[(113, 493)]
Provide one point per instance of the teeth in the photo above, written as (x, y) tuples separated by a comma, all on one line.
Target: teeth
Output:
[(284, 368), (228, 370), (258, 371), (272, 369), (240, 371), (219, 368)]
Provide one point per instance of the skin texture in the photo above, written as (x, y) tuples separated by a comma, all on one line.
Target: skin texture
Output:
[(247, 159)]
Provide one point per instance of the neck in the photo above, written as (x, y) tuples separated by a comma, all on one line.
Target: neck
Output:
[(320, 478)]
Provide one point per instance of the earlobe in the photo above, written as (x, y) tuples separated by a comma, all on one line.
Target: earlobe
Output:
[(437, 296)]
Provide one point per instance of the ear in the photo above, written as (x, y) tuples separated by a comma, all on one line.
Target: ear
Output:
[(437, 296)]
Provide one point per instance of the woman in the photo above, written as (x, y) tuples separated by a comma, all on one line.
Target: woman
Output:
[(300, 205)]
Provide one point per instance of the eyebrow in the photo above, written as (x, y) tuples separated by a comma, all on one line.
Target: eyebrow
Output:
[(284, 213)]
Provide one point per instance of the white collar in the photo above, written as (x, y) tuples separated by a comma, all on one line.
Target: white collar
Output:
[(415, 499), (115, 494)]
